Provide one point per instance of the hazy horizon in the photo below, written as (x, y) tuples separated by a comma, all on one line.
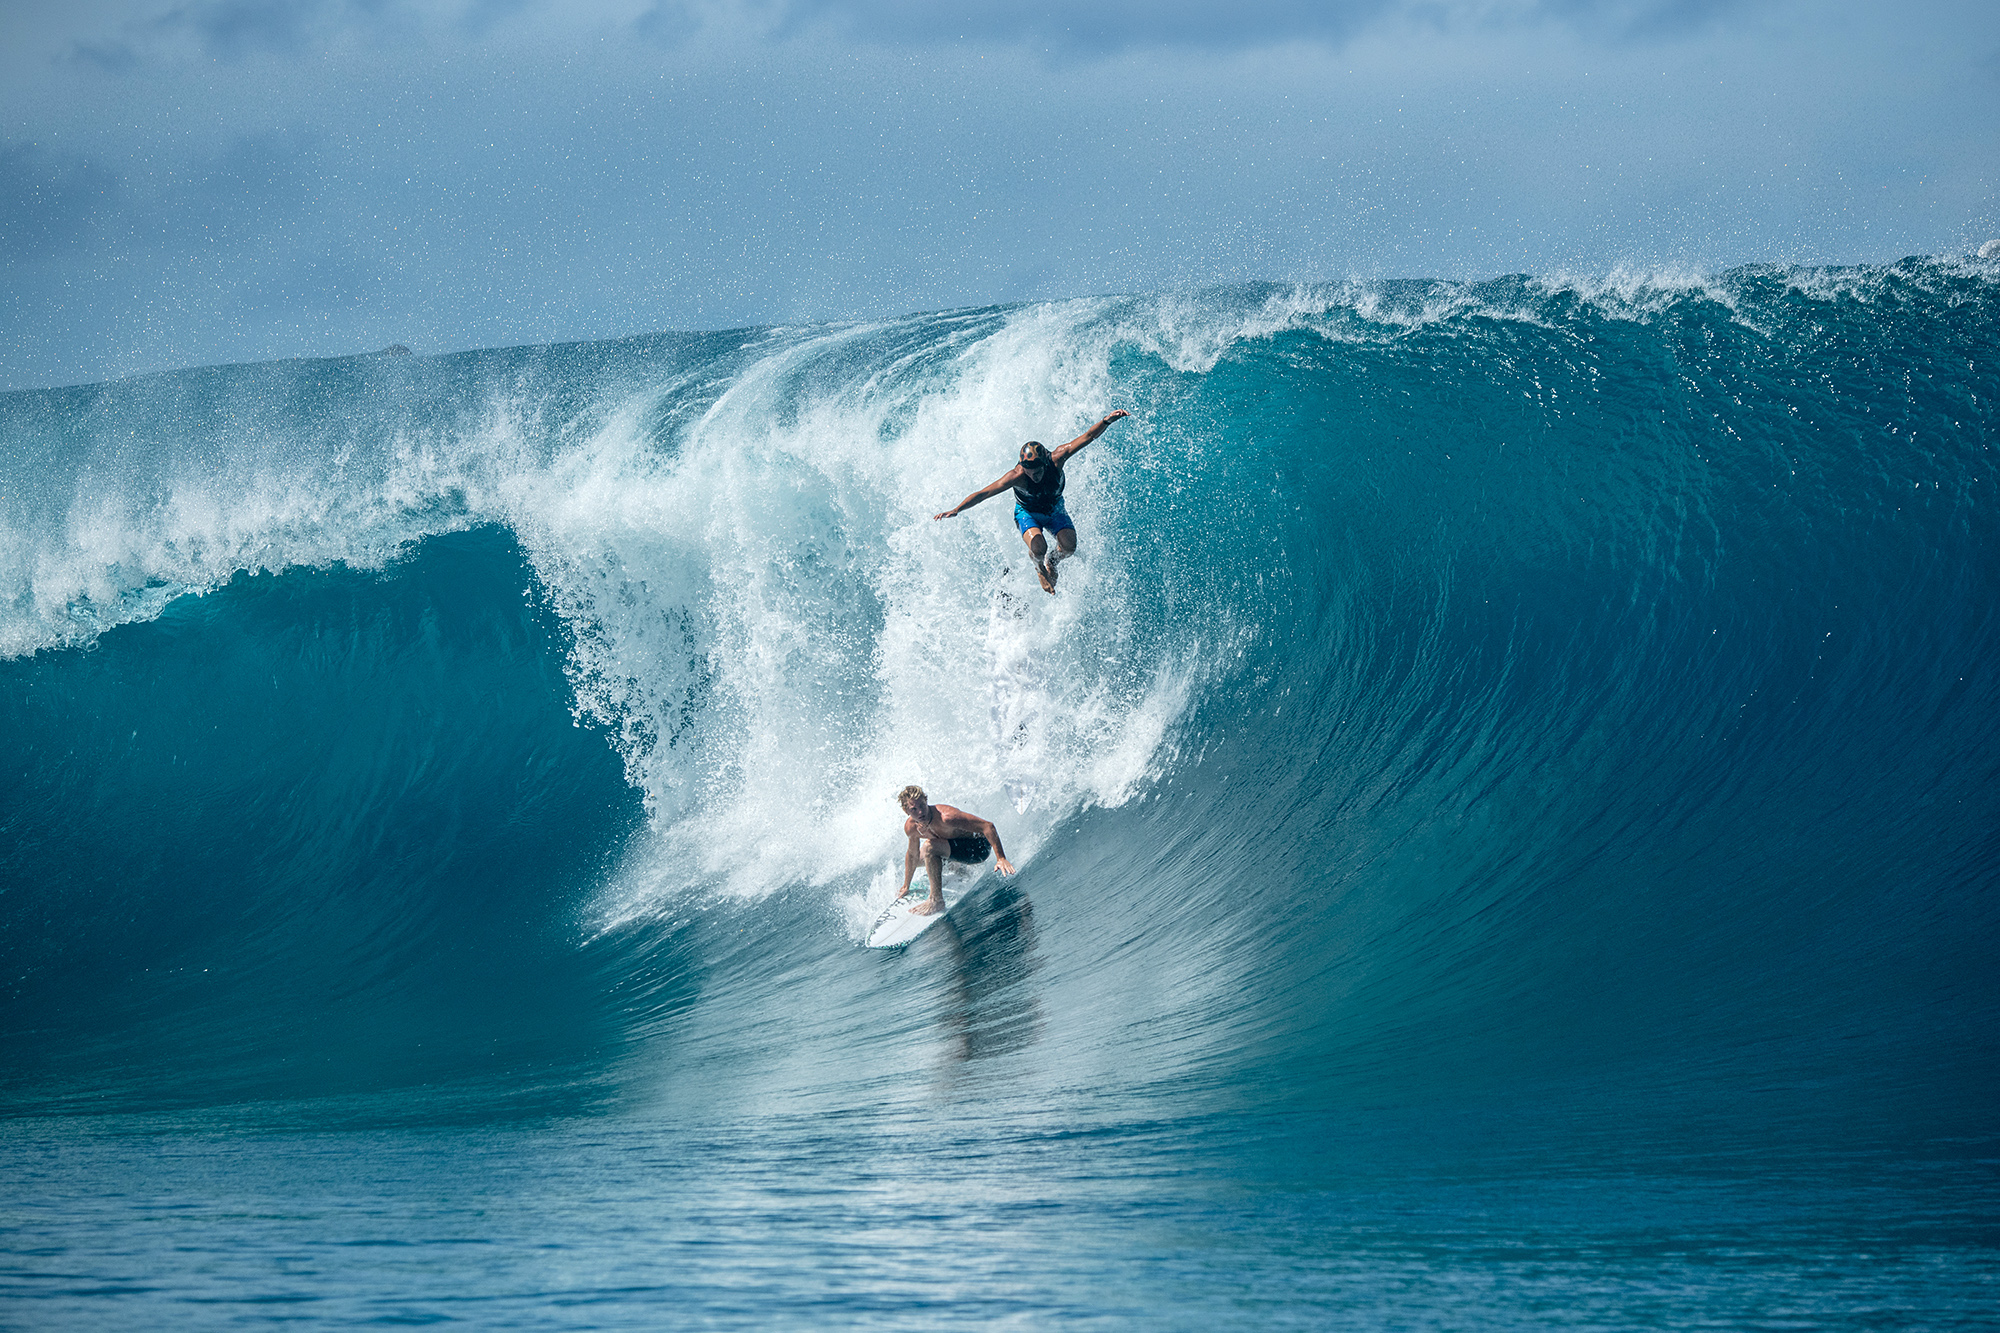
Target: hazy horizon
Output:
[(238, 180)]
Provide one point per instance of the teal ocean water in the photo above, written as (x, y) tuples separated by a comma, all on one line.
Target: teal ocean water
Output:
[(1506, 800)]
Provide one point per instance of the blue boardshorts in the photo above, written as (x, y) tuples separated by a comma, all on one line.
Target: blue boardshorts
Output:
[(1049, 523)]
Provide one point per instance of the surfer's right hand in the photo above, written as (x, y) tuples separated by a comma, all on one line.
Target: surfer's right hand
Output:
[(949, 513)]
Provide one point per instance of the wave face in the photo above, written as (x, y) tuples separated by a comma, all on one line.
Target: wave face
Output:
[(1463, 691)]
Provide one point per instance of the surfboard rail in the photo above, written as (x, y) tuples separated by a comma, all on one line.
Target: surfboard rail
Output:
[(897, 925)]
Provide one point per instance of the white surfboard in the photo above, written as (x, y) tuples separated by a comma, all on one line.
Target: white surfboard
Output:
[(899, 925)]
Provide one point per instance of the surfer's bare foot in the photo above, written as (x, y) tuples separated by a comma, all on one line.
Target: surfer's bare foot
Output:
[(1047, 574), (927, 907)]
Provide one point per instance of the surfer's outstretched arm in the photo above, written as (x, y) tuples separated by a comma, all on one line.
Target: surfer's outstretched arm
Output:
[(983, 494), (992, 835), (909, 866), (1062, 455)]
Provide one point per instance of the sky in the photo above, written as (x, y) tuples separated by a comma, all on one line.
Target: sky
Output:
[(194, 182)]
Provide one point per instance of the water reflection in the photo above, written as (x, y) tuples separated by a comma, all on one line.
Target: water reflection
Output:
[(986, 959)]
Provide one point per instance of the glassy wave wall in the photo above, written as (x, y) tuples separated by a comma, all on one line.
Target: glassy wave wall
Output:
[(1463, 691)]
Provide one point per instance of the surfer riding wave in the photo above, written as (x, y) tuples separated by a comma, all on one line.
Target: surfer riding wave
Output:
[(939, 833)]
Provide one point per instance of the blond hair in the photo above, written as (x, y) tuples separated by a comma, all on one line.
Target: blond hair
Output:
[(911, 793)]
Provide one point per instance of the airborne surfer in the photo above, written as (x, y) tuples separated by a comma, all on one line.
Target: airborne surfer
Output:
[(939, 833), (1038, 508)]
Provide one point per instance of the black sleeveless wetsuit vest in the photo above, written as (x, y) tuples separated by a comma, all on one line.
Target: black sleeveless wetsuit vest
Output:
[(1040, 497)]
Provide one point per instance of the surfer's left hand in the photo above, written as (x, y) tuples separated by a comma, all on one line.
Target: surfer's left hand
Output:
[(1006, 867)]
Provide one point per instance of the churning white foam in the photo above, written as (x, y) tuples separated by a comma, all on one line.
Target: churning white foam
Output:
[(765, 614), (784, 637)]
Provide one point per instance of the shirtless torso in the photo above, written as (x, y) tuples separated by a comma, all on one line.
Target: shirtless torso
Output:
[(944, 821)]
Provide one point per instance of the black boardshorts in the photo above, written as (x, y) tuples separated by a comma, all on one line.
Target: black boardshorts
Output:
[(971, 850)]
